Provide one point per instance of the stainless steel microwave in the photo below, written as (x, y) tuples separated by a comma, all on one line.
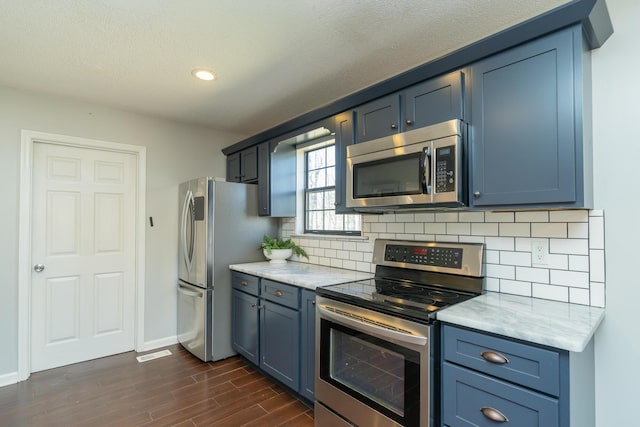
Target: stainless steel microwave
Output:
[(422, 168)]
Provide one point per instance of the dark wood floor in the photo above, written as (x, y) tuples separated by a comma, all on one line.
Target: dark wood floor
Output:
[(176, 390)]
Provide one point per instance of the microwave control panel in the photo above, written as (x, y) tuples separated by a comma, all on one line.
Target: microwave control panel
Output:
[(445, 166)]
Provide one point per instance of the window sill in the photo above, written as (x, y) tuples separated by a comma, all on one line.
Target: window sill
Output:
[(331, 237)]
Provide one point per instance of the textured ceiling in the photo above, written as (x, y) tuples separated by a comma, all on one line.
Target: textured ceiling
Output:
[(274, 59)]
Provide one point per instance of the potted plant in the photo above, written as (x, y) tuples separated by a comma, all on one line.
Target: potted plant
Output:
[(277, 250)]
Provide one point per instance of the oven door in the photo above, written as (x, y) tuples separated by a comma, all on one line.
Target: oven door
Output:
[(372, 369)]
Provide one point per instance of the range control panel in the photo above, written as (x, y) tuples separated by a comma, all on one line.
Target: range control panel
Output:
[(421, 255)]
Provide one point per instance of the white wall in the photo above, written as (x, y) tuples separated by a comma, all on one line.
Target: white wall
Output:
[(616, 107), (175, 153)]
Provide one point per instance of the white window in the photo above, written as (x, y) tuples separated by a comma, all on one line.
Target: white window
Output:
[(320, 196)]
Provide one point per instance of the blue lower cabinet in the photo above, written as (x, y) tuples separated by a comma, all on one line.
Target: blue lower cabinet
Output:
[(473, 399), (244, 324), (307, 343), (280, 343)]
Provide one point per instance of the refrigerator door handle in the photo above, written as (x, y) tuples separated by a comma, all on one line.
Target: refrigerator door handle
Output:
[(189, 293), (188, 247)]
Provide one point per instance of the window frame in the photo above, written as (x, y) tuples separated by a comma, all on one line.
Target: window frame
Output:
[(308, 190)]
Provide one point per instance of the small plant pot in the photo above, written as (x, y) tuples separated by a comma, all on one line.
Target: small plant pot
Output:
[(277, 256)]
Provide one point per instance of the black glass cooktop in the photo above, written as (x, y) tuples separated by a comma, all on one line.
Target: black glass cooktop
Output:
[(407, 299)]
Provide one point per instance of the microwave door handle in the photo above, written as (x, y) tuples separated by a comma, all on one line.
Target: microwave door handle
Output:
[(426, 170)]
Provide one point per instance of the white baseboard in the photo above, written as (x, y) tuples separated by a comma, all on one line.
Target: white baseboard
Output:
[(162, 342), (8, 379)]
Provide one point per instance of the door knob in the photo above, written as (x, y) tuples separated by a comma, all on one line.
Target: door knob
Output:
[(38, 268)]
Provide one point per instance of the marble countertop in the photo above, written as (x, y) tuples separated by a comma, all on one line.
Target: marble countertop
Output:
[(551, 323), (308, 276)]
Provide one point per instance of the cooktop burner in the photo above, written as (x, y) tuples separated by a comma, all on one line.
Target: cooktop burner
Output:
[(410, 284)]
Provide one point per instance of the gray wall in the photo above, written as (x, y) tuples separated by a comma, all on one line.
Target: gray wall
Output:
[(616, 95), (175, 153)]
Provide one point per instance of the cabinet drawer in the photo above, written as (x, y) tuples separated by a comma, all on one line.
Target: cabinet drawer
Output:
[(529, 366), (245, 283), (281, 293), (470, 398)]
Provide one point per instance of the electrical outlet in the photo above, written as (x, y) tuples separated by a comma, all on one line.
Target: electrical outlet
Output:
[(539, 251)]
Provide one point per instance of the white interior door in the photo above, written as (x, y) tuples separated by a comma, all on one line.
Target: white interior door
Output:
[(83, 243)]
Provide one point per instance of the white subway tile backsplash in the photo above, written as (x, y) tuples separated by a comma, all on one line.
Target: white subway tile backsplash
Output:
[(459, 228), (597, 294), (396, 227), (492, 284), (387, 218), (578, 230), (424, 217), (596, 212), (483, 229), (596, 232), (500, 243), (408, 217), (556, 293), (532, 216), (492, 257), (528, 274), (414, 227), (569, 216), (501, 271), (336, 244), (574, 279), (579, 263), (447, 217), (356, 256), (596, 265), (514, 229), (435, 228), (575, 264), (558, 262), (549, 229), (447, 238), (499, 216), (515, 287), (515, 258), (569, 246), (471, 216), (379, 227), (579, 296), (471, 239)]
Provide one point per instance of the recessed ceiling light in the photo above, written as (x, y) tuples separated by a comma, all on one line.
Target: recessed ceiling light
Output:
[(202, 74)]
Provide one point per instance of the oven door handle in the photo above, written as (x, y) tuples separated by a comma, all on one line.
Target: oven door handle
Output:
[(372, 328)]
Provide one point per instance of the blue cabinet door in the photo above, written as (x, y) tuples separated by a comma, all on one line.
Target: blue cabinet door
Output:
[(526, 140), (378, 118), (249, 164), (244, 325), (280, 343), (233, 167), (434, 101), (344, 137), (472, 399), (307, 343)]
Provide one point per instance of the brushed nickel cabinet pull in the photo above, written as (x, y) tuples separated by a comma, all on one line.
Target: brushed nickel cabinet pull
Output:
[(494, 415), (278, 293), (244, 283), (493, 357)]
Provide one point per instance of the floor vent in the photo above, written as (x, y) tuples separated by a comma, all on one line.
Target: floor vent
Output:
[(151, 356)]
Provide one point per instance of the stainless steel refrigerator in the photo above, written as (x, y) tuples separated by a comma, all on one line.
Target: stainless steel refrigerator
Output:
[(219, 226)]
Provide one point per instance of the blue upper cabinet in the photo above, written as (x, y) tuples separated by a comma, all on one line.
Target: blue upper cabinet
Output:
[(432, 101), (344, 137), (528, 148), (243, 166)]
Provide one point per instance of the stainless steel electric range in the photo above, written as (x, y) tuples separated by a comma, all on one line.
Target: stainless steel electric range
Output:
[(377, 344)]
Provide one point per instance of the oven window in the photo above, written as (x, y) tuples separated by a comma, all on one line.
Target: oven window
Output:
[(368, 369), (395, 176), (383, 375)]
